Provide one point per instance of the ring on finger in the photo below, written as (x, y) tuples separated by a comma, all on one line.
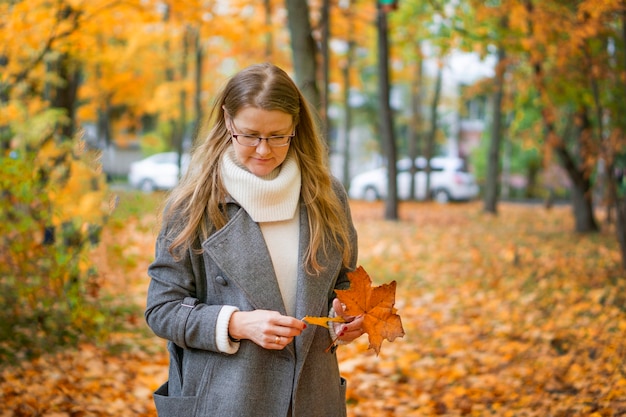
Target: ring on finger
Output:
[(277, 340)]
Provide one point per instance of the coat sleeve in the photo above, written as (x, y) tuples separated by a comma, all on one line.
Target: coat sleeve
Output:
[(173, 309)]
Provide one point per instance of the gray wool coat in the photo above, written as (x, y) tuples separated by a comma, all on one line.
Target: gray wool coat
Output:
[(185, 298)]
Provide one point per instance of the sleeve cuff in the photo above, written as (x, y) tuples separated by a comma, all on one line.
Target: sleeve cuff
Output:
[(331, 329), (224, 343)]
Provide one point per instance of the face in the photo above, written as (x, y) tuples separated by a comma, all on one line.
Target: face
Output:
[(261, 159)]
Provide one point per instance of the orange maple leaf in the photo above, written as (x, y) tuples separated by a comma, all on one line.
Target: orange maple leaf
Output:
[(380, 320)]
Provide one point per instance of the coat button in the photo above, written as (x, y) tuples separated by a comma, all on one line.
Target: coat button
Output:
[(221, 280)]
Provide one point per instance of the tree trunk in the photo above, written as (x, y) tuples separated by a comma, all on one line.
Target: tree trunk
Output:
[(103, 126), (269, 41), (582, 198), (197, 95), (386, 117), (602, 177), (303, 49), (619, 204), (620, 208), (169, 77), (348, 114), (620, 201), (415, 125), (432, 135), (5, 133), (493, 160), (532, 171), (64, 95), (325, 22), (4, 87), (182, 121), (583, 210)]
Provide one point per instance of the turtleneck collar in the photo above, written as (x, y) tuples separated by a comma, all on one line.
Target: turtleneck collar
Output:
[(271, 198)]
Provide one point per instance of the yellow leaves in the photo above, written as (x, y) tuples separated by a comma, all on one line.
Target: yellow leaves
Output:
[(594, 9), (518, 18), (77, 186), (11, 112), (88, 381), (488, 336), (93, 34), (166, 99), (323, 321)]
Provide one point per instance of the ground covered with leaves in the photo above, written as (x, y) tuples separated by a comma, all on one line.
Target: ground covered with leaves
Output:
[(508, 315)]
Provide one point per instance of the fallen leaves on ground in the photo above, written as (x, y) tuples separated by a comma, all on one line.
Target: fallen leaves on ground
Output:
[(508, 315), (86, 382)]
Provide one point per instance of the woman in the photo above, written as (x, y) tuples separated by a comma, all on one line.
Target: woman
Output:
[(256, 235)]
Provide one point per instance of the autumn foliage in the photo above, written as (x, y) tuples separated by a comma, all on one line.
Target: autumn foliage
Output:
[(52, 209), (504, 316)]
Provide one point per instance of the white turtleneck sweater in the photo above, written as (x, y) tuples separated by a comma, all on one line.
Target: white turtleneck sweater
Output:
[(272, 201)]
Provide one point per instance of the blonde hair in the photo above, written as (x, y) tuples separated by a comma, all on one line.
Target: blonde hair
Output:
[(200, 197)]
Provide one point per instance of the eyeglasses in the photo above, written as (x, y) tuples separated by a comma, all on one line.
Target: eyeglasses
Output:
[(253, 141)]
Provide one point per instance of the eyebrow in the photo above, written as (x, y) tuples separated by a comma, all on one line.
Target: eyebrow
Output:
[(247, 131)]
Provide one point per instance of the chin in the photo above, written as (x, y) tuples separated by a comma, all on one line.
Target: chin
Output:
[(261, 171)]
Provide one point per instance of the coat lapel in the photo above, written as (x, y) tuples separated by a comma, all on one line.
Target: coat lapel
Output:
[(240, 251), (313, 290)]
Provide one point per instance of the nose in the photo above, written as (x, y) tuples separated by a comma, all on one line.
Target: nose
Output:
[(263, 148)]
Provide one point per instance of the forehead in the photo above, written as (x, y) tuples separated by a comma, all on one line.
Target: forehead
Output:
[(260, 120)]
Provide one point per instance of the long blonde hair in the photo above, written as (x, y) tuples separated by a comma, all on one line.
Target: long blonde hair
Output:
[(200, 197)]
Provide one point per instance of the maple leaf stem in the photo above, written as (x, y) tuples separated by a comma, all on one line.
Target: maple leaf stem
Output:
[(332, 347)]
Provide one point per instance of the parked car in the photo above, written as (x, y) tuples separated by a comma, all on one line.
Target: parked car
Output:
[(156, 172), (449, 181)]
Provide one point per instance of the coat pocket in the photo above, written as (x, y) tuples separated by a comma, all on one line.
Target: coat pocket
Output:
[(173, 406), (343, 386)]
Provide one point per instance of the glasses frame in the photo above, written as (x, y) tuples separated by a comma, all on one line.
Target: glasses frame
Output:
[(259, 139)]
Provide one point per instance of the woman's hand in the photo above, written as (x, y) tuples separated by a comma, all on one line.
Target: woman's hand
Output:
[(268, 329), (352, 328)]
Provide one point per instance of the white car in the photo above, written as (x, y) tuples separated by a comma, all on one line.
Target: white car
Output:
[(156, 172), (449, 181)]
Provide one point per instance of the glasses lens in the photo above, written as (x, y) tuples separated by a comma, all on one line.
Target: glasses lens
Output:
[(278, 140), (248, 140)]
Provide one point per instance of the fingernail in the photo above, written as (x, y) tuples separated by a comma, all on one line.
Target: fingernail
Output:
[(304, 326), (342, 332)]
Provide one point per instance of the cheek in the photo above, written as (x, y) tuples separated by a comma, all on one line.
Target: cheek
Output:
[(242, 154), (282, 156)]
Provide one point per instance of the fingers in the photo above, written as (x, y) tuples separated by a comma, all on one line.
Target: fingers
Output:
[(276, 337), (340, 310), (352, 328), (278, 342), (349, 331), (338, 307), (268, 329)]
